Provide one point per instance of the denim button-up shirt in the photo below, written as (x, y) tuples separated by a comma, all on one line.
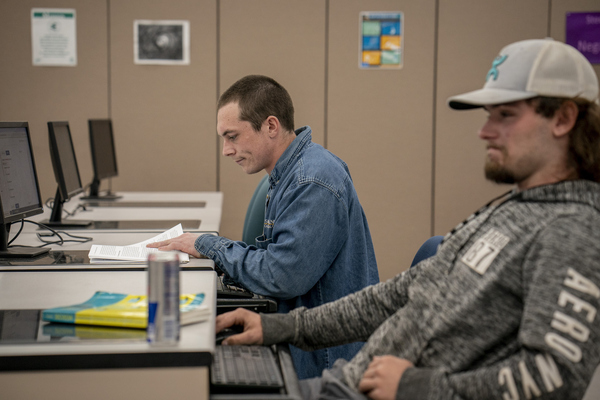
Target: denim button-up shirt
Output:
[(316, 246)]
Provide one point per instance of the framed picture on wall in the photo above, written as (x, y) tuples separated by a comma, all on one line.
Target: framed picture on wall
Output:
[(161, 42)]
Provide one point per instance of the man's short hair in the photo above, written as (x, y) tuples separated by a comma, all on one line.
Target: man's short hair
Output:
[(259, 97)]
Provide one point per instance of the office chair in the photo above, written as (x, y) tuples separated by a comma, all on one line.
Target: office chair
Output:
[(427, 249), (255, 216)]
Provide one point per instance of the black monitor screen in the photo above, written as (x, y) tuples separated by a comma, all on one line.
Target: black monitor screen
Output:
[(19, 188), (103, 148), (64, 161)]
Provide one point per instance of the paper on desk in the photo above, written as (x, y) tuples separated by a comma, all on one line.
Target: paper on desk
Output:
[(134, 253)]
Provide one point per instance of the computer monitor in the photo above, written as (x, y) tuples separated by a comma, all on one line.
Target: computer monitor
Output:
[(19, 189), (104, 158), (66, 173)]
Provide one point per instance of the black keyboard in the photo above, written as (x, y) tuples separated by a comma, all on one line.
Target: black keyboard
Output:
[(225, 290), (245, 367)]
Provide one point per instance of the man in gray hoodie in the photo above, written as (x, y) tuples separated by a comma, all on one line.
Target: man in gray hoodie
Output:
[(507, 308)]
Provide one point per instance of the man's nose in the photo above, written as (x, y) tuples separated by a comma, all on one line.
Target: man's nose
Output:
[(228, 149), (486, 132)]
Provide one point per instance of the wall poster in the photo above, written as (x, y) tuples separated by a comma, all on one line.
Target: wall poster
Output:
[(53, 37), (381, 40), (583, 33)]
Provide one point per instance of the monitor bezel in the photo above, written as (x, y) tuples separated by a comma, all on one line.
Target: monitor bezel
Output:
[(59, 172), (40, 206)]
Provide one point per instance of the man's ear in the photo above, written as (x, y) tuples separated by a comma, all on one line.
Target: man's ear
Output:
[(273, 125), (565, 118)]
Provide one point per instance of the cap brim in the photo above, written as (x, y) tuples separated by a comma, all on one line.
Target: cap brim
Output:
[(487, 97)]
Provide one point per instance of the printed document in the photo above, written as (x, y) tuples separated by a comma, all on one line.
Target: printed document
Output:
[(134, 253)]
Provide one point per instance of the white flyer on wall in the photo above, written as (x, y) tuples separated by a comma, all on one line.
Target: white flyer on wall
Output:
[(53, 37)]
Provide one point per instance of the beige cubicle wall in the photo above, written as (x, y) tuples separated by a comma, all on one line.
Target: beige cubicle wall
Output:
[(164, 114), (42, 94), (416, 164), (470, 34), (380, 123)]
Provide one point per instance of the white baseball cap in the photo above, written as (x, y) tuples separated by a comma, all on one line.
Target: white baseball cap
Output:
[(531, 68)]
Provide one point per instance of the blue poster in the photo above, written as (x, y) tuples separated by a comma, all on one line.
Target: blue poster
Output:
[(380, 42)]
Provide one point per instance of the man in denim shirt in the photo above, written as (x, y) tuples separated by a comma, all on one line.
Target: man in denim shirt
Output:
[(316, 246)]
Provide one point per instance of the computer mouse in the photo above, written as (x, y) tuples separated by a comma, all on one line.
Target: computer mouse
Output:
[(225, 333)]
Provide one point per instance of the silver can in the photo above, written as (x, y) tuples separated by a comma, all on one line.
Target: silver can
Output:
[(163, 298)]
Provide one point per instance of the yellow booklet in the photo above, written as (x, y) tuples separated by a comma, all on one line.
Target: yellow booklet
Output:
[(124, 310)]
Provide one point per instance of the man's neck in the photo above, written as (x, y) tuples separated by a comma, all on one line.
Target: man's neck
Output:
[(286, 140), (550, 179)]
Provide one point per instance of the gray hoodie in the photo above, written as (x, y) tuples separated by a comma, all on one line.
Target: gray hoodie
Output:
[(507, 308)]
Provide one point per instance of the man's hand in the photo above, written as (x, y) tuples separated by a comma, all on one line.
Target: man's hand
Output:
[(380, 380), (253, 333), (183, 243)]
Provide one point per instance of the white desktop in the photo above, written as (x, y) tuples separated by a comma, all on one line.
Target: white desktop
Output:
[(102, 369)]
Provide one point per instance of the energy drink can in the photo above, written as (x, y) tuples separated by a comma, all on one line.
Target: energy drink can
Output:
[(163, 298)]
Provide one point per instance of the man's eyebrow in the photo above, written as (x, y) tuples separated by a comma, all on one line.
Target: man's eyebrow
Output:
[(226, 132)]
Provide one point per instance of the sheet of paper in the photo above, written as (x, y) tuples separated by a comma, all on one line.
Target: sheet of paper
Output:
[(166, 235), (137, 252)]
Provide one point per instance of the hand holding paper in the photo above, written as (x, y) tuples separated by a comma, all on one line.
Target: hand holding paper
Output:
[(136, 253), (184, 243)]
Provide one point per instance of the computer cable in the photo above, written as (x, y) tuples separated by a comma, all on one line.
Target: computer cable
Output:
[(41, 236), (50, 204)]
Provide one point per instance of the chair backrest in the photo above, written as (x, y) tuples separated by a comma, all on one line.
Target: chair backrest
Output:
[(427, 249), (255, 216)]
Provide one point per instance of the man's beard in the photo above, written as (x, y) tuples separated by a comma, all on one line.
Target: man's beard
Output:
[(498, 174)]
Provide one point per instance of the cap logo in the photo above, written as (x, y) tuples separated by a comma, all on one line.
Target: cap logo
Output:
[(493, 72)]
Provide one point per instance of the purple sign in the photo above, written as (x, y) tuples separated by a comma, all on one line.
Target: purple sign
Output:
[(583, 33)]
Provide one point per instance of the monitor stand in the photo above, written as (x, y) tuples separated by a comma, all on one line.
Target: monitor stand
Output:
[(95, 193), (52, 258), (17, 251), (104, 197), (23, 252), (68, 223), (56, 220)]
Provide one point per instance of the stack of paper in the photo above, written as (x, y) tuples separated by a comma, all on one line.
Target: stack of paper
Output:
[(134, 253)]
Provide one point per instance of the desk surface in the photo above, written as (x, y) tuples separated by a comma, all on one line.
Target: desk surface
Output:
[(77, 260), (39, 290), (211, 199), (209, 214), (120, 238), (94, 370)]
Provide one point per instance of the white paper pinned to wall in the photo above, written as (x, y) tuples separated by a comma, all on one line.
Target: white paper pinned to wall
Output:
[(53, 37)]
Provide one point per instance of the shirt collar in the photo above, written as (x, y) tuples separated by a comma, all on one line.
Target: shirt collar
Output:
[(303, 138)]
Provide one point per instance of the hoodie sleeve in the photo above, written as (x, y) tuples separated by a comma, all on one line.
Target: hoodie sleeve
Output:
[(349, 319)]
